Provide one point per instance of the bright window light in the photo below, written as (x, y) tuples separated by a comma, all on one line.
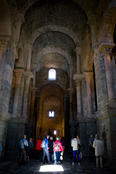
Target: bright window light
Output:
[(52, 74), (51, 168), (51, 113), (55, 132)]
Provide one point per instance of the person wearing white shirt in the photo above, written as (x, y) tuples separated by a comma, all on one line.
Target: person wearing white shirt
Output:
[(98, 144), (74, 145)]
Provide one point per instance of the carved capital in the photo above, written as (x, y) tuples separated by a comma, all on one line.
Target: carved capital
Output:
[(28, 74), (78, 77), (34, 89), (105, 49), (88, 74), (70, 89), (18, 75), (3, 42), (77, 50)]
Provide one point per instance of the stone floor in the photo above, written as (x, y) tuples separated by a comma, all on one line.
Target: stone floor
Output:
[(33, 166)]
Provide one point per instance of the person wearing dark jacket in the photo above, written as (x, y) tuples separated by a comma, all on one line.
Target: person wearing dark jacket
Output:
[(44, 145), (50, 145)]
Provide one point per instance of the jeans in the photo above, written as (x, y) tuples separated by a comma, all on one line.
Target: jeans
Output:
[(56, 157), (74, 155), (46, 153)]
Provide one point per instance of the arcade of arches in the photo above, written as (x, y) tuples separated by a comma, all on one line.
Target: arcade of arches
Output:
[(76, 38)]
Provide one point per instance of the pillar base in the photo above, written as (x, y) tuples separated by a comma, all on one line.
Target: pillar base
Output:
[(15, 131), (87, 126), (3, 132), (107, 128)]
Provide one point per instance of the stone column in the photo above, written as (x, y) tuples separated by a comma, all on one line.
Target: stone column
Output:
[(88, 76), (70, 90), (5, 88), (28, 76), (18, 75), (100, 79), (33, 91), (114, 71), (3, 44), (29, 57), (78, 78), (108, 71)]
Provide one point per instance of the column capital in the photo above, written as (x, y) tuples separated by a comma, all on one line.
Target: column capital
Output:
[(30, 45), (34, 89), (106, 49), (19, 72), (78, 77), (88, 74), (18, 75), (28, 74), (77, 49), (70, 89), (3, 42)]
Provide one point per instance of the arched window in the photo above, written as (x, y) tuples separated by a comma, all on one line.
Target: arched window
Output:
[(52, 74), (51, 114)]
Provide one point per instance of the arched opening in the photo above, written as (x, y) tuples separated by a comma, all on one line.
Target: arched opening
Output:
[(52, 74), (50, 111)]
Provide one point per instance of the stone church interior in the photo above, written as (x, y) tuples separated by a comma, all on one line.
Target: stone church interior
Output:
[(57, 72)]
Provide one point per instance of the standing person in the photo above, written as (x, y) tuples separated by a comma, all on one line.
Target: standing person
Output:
[(44, 145), (38, 148), (31, 145), (91, 149), (98, 144), (63, 142), (50, 145), (79, 147), (75, 149), (0, 149), (23, 149), (58, 149)]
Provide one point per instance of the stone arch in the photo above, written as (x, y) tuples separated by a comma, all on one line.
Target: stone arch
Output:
[(108, 24), (61, 29), (50, 95), (55, 50)]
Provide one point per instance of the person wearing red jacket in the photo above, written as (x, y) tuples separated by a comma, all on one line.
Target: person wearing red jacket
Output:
[(38, 148), (57, 148)]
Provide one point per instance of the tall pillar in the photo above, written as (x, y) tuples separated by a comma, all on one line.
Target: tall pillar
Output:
[(29, 57), (5, 89), (33, 91), (108, 71), (100, 79), (78, 78), (114, 71), (18, 74), (3, 44), (88, 76), (70, 90), (28, 76)]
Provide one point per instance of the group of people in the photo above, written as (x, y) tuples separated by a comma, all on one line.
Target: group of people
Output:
[(51, 149), (96, 148), (25, 149)]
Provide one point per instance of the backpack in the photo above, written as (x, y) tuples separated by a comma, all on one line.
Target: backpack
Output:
[(43, 144), (56, 146)]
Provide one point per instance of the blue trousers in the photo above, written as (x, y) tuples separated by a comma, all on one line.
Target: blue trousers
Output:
[(56, 157), (46, 153), (75, 152)]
